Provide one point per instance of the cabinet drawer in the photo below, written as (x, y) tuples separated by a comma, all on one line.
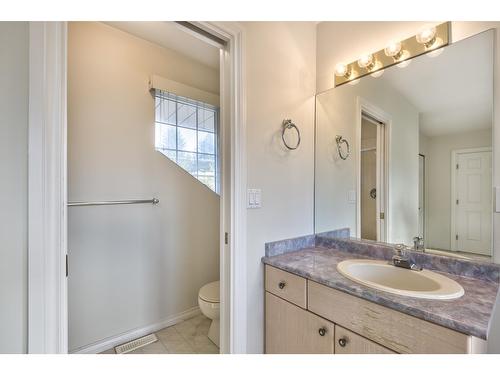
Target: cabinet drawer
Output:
[(290, 329), (347, 342), (397, 331), (287, 286)]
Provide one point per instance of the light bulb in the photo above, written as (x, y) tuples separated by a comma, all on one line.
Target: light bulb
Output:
[(366, 62), (342, 70), (394, 50), (427, 36)]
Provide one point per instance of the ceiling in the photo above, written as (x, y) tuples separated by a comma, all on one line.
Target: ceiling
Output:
[(170, 35), (453, 91)]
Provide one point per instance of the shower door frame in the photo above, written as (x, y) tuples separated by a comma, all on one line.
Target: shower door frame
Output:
[(47, 188)]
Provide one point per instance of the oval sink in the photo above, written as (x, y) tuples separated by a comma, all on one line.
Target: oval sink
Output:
[(381, 275)]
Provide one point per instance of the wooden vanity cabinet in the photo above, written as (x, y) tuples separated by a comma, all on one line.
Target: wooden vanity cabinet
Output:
[(347, 342), (291, 329), (303, 316)]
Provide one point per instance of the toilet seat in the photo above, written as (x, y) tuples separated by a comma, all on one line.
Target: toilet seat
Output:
[(210, 292)]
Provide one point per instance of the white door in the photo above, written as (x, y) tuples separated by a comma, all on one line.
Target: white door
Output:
[(473, 202)]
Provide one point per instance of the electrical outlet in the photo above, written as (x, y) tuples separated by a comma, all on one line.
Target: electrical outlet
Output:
[(254, 198)]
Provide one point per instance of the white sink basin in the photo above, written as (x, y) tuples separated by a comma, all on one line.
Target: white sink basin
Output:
[(381, 275)]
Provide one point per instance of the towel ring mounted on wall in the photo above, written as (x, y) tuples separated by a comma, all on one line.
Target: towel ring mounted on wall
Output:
[(343, 155), (288, 124)]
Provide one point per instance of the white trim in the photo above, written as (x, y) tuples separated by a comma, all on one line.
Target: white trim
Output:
[(111, 342), (233, 311), (47, 283), (453, 193), (178, 88), (363, 105)]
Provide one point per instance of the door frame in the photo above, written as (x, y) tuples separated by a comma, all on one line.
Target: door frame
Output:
[(365, 106), (47, 189), (47, 200), (424, 193), (453, 192)]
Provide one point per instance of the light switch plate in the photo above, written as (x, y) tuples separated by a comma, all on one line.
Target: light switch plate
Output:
[(254, 198), (351, 196)]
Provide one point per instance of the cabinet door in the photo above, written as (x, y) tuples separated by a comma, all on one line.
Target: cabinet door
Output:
[(290, 287), (347, 342), (290, 329)]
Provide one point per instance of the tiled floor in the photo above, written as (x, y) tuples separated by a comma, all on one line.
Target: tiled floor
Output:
[(187, 337)]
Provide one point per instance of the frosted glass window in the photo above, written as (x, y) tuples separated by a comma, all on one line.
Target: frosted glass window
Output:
[(186, 131)]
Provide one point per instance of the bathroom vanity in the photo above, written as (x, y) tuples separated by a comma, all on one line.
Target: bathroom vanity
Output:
[(312, 308)]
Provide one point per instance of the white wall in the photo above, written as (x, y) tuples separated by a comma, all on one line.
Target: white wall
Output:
[(438, 171), (346, 41), (130, 266), (280, 62), (14, 63), (336, 115)]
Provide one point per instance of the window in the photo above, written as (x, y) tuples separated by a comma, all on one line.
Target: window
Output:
[(187, 133)]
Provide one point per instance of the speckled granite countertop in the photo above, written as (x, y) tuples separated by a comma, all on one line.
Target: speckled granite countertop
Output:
[(469, 314)]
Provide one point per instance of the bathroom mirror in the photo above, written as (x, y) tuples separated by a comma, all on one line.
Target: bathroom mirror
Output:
[(418, 140)]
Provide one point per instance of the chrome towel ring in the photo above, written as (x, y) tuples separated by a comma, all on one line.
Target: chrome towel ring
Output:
[(288, 124), (343, 155)]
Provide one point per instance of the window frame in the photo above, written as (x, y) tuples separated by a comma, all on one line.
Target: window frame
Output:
[(164, 95)]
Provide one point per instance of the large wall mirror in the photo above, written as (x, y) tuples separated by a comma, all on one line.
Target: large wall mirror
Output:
[(406, 157)]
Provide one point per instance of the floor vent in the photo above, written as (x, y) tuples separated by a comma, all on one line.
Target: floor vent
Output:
[(136, 344)]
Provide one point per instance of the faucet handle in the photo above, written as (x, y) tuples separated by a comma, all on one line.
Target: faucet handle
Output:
[(399, 249)]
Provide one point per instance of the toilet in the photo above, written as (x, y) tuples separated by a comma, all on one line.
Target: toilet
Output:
[(209, 302)]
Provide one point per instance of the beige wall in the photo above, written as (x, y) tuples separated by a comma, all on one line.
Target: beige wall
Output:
[(438, 171), (14, 78), (280, 65), (130, 266)]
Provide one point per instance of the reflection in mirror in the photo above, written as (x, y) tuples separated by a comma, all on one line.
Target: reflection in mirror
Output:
[(420, 167)]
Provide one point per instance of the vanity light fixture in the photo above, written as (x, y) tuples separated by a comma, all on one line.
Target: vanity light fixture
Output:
[(394, 50), (367, 62), (342, 70), (427, 37), (428, 40), (370, 64)]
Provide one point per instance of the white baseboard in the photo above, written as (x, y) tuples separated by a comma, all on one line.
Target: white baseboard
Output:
[(111, 342)]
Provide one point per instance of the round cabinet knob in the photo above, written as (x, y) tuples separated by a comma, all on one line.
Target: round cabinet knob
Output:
[(343, 342), (322, 331), (281, 285)]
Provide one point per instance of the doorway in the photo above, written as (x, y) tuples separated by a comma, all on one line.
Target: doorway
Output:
[(471, 220), (47, 270), (133, 202), (372, 175)]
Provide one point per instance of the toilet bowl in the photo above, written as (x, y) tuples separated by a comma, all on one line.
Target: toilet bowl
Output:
[(209, 302)]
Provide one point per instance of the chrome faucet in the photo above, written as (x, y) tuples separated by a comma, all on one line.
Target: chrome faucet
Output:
[(400, 259), (418, 244)]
